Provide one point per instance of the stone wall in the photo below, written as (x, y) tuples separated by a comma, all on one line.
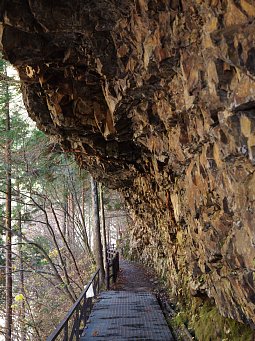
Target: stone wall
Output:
[(156, 98)]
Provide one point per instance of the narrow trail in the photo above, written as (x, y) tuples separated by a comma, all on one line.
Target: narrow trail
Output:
[(130, 310), (135, 277)]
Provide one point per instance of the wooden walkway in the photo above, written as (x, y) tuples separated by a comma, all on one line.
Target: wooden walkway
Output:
[(126, 315), (130, 312)]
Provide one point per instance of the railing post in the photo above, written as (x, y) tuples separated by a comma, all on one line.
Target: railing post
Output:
[(107, 275), (66, 332), (115, 268), (118, 261), (77, 324), (98, 282), (83, 310)]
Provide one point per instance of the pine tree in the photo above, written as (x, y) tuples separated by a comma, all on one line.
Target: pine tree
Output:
[(5, 110)]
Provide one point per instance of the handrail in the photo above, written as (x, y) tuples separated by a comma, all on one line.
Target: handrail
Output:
[(71, 311), (80, 310)]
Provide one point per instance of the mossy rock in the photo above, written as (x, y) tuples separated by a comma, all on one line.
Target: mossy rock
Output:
[(209, 325)]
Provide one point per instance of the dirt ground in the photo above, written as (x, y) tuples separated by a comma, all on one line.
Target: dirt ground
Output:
[(136, 277)]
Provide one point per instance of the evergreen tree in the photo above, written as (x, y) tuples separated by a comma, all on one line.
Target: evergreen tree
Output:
[(5, 110)]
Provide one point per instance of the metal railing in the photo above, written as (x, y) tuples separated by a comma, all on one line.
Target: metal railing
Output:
[(75, 320), (72, 326), (112, 265)]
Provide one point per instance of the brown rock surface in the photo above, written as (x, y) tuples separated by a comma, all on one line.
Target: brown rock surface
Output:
[(156, 98)]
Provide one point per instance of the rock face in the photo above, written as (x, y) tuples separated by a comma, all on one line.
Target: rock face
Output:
[(156, 98)]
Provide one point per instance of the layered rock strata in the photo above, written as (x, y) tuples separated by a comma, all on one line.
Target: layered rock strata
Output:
[(156, 98)]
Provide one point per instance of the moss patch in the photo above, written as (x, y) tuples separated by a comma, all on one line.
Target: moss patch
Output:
[(203, 320), (179, 319), (209, 325)]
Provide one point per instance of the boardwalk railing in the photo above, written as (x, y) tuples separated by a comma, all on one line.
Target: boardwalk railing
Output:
[(75, 320), (112, 265)]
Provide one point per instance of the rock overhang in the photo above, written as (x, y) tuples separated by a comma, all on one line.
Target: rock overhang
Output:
[(155, 98)]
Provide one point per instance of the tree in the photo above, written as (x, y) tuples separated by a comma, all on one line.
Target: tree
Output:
[(22, 315), (36, 192), (104, 237), (98, 252), (5, 108), (45, 202)]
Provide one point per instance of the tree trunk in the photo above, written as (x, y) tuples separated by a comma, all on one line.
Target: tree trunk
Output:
[(89, 225), (97, 247), (101, 196), (70, 220), (8, 208), (22, 315), (109, 233), (64, 230), (81, 210)]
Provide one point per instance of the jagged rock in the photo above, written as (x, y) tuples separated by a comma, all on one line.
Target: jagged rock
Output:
[(155, 98)]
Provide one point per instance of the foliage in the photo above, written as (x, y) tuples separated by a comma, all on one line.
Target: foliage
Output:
[(31, 254), (44, 266)]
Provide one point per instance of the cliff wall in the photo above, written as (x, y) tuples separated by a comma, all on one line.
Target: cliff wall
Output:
[(156, 98)]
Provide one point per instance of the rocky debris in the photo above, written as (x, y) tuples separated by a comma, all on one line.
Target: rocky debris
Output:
[(155, 98)]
